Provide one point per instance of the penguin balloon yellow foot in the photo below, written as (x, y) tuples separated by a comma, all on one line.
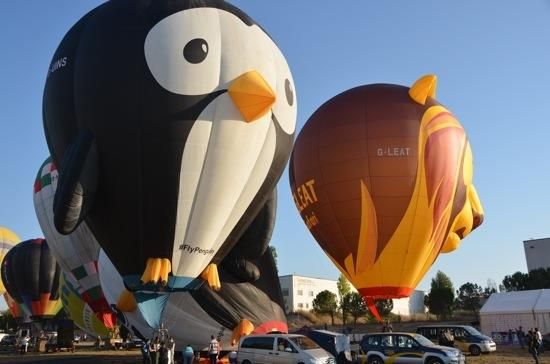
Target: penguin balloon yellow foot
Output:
[(126, 302), (156, 271), (210, 275)]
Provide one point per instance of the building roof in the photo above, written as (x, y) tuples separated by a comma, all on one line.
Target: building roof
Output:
[(538, 239), (300, 276), (531, 301)]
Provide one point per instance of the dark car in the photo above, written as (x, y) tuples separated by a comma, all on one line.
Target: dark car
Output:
[(466, 338), (404, 347), (8, 340), (53, 345)]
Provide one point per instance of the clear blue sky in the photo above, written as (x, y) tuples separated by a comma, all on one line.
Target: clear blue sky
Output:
[(492, 59)]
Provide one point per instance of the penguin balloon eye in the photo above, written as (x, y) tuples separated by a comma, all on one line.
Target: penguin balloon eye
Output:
[(196, 50), (289, 92)]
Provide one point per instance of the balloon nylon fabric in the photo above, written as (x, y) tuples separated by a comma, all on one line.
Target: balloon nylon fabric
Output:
[(31, 275), (76, 253), (7, 240)]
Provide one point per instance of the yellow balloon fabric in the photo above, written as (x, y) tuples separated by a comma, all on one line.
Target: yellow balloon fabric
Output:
[(79, 311), (7, 240)]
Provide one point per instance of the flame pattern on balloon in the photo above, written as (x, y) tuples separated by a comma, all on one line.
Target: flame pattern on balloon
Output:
[(382, 176)]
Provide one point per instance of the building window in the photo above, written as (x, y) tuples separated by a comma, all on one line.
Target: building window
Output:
[(310, 293), (285, 291), (307, 305), (300, 305), (300, 292)]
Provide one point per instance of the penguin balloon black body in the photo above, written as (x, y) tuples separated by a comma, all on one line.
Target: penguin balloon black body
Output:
[(171, 122)]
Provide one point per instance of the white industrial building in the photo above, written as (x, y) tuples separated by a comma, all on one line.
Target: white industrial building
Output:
[(537, 253), (409, 306), (300, 291)]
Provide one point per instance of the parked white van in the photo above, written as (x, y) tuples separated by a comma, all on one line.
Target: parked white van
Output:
[(281, 349)]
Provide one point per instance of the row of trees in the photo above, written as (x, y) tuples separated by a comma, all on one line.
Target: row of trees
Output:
[(535, 279), (347, 303), (443, 300)]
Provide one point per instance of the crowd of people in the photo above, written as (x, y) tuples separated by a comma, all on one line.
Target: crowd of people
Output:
[(159, 350)]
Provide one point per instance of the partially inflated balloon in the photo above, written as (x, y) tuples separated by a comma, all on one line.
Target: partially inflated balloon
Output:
[(31, 276), (239, 308), (249, 301), (382, 176), (76, 253), (174, 121), (78, 310), (7, 240)]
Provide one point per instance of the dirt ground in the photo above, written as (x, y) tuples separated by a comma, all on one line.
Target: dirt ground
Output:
[(82, 357), (504, 355), (507, 355)]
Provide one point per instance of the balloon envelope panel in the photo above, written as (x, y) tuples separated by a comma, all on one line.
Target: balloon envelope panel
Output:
[(7, 240), (78, 310), (19, 313), (76, 253), (384, 184)]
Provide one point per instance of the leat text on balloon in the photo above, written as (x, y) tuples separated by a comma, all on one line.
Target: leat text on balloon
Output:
[(305, 195), (393, 152)]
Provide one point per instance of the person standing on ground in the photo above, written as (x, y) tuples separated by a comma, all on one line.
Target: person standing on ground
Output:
[(188, 355), (532, 345), (146, 355), (213, 350), (154, 349), (171, 347), (538, 337), (521, 337)]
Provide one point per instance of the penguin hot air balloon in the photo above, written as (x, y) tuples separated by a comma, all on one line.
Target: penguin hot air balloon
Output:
[(31, 276), (382, 177), (171, 123), (7, 240), (76, 253)]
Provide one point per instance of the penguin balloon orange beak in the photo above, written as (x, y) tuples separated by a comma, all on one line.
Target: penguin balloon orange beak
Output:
[(252, 95)]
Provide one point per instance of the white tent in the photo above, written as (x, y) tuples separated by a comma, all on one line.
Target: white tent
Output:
[(509, 310)]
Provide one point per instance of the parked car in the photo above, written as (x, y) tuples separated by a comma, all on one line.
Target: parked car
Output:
[(129, 344), (466, 338), (8, 340), (335, 343), (281, 349), (403, 347)]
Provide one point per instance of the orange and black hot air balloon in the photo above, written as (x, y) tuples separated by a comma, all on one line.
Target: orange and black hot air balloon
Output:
[(382, 176), (31, 276)]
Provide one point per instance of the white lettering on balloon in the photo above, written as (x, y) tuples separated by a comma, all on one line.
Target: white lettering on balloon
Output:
[(393, 152), (57, 64)]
